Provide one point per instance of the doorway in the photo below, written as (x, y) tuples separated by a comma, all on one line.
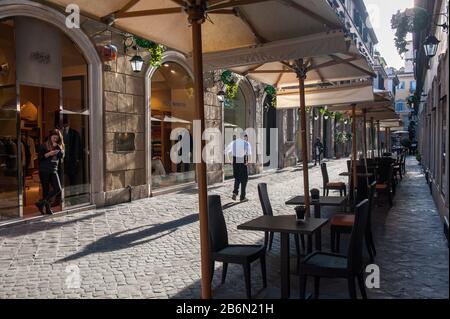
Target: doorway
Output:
[(39, 113), (269, 122)]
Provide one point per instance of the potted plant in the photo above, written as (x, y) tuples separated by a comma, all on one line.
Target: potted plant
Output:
[(340, 139)]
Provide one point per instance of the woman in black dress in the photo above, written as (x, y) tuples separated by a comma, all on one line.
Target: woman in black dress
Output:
[(50, 155)]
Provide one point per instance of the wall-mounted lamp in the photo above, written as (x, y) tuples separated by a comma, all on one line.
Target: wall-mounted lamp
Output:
[(136, 63), (431, 45)]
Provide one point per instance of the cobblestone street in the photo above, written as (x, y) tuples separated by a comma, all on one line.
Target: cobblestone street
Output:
[(150, 248)]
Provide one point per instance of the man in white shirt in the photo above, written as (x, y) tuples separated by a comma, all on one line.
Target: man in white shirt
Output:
[(241, 150)]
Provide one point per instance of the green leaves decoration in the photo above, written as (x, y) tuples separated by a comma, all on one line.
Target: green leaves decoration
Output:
[(231, 84), (272, 94), (411, 20), (153, 48)]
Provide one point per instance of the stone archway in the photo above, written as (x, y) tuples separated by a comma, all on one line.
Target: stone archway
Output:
[(8, 9)]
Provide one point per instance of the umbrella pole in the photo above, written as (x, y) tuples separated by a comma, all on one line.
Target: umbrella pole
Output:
[(372, 138), (365, 132), (301, 74), (378, 138), (354, 151), (386, 139), (196, 18)]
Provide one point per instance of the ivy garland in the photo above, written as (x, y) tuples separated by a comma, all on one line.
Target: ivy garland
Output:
[(231, 85), (272, 94), (154, 49), (411, 20)]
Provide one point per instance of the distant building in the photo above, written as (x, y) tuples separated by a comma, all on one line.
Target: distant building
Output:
[(406, 86)]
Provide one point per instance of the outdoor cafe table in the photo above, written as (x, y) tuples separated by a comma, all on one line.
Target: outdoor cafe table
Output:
[(285, 225), (348, 174), (334, 201)]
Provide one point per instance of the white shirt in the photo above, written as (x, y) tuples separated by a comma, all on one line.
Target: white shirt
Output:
[(239, 148)]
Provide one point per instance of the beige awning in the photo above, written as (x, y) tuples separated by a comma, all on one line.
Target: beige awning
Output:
[(229, 25), (363, 92), (338, 64)]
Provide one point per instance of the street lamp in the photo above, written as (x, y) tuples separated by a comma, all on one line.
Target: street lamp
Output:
[(431, 45), (136, 63)]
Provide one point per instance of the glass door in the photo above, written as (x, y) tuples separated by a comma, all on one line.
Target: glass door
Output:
[(75, 131), (9, 156)]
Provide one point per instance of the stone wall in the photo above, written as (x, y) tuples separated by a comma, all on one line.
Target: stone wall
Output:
[(123, 112)]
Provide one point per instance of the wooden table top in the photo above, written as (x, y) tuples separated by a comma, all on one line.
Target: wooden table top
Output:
[(323, 201), (284, 224)]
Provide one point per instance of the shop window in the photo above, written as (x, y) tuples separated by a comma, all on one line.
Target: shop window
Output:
[(54, 100), (444, 146), (172, 115)]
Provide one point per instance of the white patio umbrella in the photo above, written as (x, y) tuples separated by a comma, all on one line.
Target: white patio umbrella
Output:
[(357, 99), (228, 24), (318, 66)]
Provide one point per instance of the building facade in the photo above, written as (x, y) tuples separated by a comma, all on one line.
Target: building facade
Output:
[(117, 123), (433, 108)]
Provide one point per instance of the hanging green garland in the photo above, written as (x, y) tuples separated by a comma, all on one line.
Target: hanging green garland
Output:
[(154, 49), (231, 85), (272, 94), (411, 20)]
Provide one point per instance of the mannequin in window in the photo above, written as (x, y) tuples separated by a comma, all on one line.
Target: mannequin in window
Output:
[(73, 151)]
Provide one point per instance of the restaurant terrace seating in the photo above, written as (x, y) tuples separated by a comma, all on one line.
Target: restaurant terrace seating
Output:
[(330, 265), (267, 210), (222, 251), (343, 224), (327, 185)]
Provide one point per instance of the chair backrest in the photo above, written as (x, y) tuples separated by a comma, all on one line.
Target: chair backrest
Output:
[(218, 236), (372, 188), (384, 172), (355, 248), (264, 199), (325, 177), (362, 191)]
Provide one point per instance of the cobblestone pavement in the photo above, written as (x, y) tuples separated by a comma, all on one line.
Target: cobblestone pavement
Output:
[(149, 248)]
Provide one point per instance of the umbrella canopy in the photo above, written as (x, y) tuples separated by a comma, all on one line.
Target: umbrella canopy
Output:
[(336, 65), (227, 25), (330, 95)]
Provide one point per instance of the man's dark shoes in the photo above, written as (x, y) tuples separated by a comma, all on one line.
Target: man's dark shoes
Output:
[(244, 199), (48, 207), (40, 205), (233, 197)]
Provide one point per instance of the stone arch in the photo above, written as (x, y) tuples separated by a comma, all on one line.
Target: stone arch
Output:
[(9, 9)]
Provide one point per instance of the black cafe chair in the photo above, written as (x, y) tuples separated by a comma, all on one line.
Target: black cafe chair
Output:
[(222, 251), (327, 185), (329, 265), (385, 182), (343, 223), (267, 210)]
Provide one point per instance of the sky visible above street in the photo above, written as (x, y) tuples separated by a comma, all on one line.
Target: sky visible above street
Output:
[(380, 12)]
